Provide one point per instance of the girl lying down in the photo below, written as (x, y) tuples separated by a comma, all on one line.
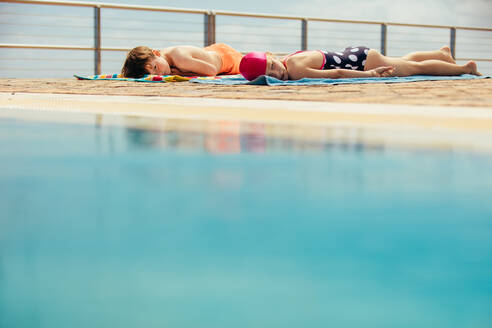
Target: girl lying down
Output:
[(352, 62)]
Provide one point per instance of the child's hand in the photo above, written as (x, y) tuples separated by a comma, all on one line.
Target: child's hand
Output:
[(384, 71)]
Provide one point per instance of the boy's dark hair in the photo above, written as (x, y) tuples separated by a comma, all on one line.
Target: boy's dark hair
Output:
[(136, 59)]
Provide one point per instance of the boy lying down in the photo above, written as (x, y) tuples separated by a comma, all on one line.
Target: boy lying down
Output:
[(215, 59)]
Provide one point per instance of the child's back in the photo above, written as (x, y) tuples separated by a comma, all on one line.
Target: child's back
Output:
[(183, 60)]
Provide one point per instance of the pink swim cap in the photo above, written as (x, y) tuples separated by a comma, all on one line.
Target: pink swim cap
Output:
[(253, 65)]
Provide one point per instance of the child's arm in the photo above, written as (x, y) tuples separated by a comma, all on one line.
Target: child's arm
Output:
[(300, 66), (176, 71), (338, 73), (184, 62)]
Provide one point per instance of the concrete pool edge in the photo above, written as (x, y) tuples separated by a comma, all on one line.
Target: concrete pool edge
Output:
[(420, 126)]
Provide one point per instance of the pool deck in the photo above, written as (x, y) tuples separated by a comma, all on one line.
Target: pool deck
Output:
[(466, 93), (444, 114)]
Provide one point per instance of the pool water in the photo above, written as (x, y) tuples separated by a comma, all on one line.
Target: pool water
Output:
[(118, 226)]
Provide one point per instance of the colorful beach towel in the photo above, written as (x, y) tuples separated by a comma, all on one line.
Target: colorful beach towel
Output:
[(146, 78), (268, 80)]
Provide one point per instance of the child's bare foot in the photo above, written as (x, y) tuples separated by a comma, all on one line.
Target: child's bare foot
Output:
[(472, 66), (447, 54)]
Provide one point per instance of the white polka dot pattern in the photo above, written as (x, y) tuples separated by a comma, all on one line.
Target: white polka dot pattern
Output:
[(353, 58)]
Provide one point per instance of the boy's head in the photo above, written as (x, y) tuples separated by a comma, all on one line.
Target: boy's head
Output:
[(144, 60), (255, 64)]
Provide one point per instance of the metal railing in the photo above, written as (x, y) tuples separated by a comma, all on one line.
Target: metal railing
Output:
[(209, 27)]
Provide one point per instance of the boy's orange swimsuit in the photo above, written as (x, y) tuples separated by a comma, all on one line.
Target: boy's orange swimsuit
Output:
[(230, 57)]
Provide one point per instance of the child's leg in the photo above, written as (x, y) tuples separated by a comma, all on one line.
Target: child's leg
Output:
[(443, 54), (437, 67), (405, 67)]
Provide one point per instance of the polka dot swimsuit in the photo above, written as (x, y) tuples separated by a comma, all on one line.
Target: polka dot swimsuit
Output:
[(351, 58)]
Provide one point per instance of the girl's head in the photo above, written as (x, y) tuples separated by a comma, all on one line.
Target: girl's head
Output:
[(255, 64), (144, 60)]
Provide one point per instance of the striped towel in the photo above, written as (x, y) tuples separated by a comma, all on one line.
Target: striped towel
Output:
[(146, 78)]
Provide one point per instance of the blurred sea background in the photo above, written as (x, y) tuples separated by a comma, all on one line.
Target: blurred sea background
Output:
[(36, 24)]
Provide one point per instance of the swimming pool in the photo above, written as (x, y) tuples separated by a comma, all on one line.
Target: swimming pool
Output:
[(226, 224)]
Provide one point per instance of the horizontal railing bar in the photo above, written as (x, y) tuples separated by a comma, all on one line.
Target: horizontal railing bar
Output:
[(254, 15), (62, 47), (231, 13), (67, 47), (317, 19), (47, 16), (70, 59), (473, 29), (109, 5), (144, 40), (45, 25), (35, 69), (154, 8), (441, 27), (56, 3), (39, 46), (475, 59), (420, 25), (328, 20), (115, 49)]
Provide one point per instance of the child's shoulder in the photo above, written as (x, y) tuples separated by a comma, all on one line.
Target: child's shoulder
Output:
[(304, 59), (183, 49), (304, 55)]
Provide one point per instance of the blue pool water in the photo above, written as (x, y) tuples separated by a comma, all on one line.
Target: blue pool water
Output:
[(111, 226)]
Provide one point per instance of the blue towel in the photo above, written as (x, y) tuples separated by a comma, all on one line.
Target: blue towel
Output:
[(268, 80)]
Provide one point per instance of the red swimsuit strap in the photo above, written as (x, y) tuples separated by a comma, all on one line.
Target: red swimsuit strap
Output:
[(297, 52)]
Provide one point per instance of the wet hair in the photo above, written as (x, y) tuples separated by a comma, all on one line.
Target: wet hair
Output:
[(136, 59)]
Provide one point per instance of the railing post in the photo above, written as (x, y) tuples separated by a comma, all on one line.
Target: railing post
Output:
[(384, 38), (304, 35), (452, 41), (97, 40), (209, 28)]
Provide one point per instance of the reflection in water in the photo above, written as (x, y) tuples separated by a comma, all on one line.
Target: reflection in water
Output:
[(229, 137)]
